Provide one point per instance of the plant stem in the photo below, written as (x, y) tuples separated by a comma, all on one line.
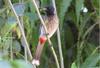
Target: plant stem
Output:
[(99, 25), (60, 48), (21, 29), (25, 48), (49, 41), (99, 8), (59, 39), (90, 29), (54, 53), (55, 56), (11, 50), (42, 21)]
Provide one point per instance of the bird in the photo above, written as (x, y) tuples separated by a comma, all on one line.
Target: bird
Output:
[(52, 24)]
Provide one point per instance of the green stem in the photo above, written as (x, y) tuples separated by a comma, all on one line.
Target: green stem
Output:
[(59, 40), (49, 41), (11, 50), (60, 48), (21, 29)]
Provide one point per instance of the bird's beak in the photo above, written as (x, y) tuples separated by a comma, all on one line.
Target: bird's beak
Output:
[(42, 9)]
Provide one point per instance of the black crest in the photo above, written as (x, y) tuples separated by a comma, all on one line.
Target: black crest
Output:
[(50, 10)]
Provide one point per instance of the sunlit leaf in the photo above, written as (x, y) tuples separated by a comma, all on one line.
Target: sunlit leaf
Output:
[(73, 65), (18, 32)]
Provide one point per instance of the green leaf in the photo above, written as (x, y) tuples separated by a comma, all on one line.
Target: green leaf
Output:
[(94, 67), (16, 47), (32, 8), (45, 2), (32, 17), (21, 64), (11, 23), (79, 5), (89, 48), (19, 8), (63, 8), (73, 65), (91, 61), (2, 22), (11, 20), (2, 10)]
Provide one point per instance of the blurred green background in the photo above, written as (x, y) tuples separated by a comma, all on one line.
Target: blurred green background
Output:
[(79, 28)]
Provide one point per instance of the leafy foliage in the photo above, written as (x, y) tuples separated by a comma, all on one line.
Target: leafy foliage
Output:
[(79, 34)]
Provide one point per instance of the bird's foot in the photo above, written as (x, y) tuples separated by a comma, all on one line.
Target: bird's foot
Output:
[(35, 62)]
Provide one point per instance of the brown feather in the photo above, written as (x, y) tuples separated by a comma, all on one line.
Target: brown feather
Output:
[(52, 25)]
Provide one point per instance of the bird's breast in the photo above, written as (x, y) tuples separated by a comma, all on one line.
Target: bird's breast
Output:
[(52, 25)]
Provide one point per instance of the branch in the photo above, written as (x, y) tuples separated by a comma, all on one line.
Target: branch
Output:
[(90, 29), (60, 48), (49, 41), (21, 29), (59, 39)]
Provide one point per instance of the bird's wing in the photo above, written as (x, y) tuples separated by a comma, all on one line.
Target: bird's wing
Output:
[(51, 24), (42, 30)]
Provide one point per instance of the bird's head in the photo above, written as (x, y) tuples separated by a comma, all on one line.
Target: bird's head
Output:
[(49, 10)]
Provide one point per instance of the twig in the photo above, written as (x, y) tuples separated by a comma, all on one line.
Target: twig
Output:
[(25, 48), (42, 22), (21, 29), (96, 49), (87, 32), (80, 44), (59, 39), (60, 48), (99, 22), (90, 29), (11, 50)]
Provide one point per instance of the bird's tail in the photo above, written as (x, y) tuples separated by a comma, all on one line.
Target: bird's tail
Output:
[(39, 50)]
